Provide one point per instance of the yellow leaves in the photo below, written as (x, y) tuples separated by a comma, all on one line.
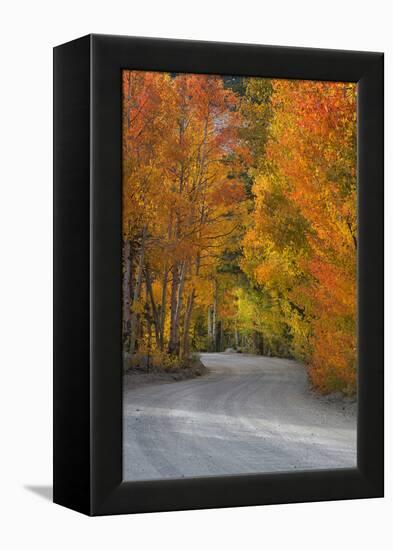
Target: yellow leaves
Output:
[(180, 175), (138, 307), (301, 248), (267, 178), (263, 272)]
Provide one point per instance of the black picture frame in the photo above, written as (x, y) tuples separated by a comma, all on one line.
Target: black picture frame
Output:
[(87, 274)]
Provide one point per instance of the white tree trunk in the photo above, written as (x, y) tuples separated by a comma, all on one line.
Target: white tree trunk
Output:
[(137, 292)]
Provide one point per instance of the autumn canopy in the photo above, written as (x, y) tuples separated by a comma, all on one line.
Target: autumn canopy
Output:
[(239, 221)]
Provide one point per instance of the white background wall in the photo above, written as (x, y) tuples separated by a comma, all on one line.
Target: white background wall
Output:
[(29, 30)]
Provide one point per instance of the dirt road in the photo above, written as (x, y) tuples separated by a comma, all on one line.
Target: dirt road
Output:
[(250, 414)]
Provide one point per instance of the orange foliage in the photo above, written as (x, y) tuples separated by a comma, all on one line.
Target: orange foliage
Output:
[(311, 176), (240, 208)]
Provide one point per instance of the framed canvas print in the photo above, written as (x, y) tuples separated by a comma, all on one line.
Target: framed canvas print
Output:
[(218, 275)]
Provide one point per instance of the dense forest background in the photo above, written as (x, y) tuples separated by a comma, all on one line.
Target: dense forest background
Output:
[(239, 221)]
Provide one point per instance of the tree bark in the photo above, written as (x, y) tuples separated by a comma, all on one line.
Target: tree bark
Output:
[(148, 327), (150, 295), (179, 305), (209, 323), (187, 322), (137, 292), (163, 308), (214, 316), (127, 288), (174, 291)]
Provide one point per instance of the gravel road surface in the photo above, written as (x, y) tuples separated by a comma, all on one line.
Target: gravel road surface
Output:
[(249, 414)]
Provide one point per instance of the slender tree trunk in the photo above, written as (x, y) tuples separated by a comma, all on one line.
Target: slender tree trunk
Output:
[(137, 292), (214, 317), (209, 323), (150, 295), (164, 291), (188, 313), (178, 268), (148, 327), (127, 289), (174, 292), (163, 308), (187, 322), (180, 291)]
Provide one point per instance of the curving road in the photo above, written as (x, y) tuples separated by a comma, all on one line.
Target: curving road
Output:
[(250, 414)]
